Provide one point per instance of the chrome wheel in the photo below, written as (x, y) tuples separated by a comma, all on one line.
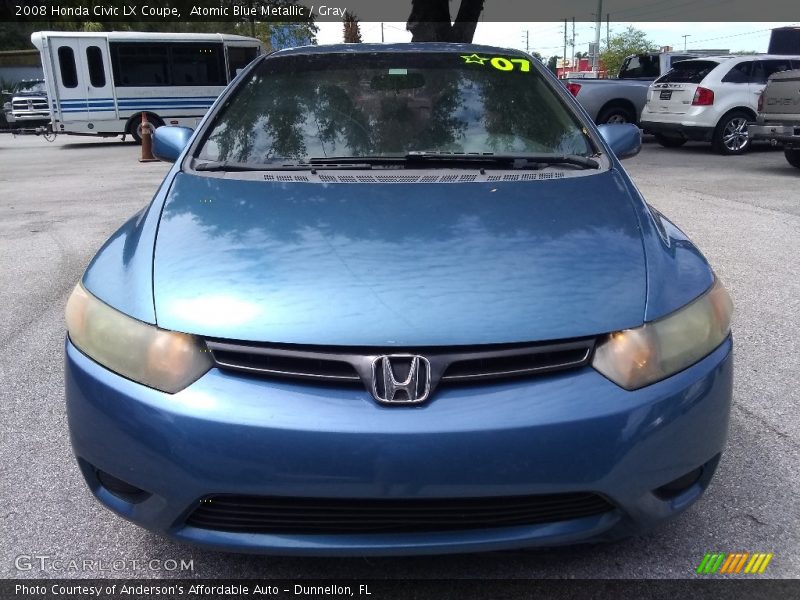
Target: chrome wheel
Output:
[(734, 135), (617, 119)]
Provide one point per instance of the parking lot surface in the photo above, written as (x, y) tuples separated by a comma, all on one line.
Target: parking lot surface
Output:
[(60, 201)]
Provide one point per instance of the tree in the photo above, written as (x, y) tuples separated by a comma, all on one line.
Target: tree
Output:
[(429, 21), (630, 41), (352, 30), (552, 63)]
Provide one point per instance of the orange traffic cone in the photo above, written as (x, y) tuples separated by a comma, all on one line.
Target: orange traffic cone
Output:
[(147, 140)]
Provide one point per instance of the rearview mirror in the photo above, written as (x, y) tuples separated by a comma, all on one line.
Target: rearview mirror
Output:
[(169, 142), (625, 139)]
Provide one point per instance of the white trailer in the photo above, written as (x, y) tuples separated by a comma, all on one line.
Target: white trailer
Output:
[(101, 83)]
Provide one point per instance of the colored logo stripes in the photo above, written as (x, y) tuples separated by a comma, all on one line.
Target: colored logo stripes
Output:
[(107, 104), (740, 562)]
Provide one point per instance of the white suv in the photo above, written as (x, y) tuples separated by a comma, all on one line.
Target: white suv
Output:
[(710, 99)]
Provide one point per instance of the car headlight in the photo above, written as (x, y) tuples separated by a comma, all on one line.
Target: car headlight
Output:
[(634, 358), (161, 359)]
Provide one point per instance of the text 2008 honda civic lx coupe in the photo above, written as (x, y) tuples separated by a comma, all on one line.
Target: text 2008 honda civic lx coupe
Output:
[(397, 299)]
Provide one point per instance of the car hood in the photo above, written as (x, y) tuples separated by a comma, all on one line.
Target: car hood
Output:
[(398, 264)]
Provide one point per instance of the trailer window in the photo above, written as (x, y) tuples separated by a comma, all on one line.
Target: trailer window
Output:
[(94, 60), (66, 63), (197, 64), (140, 64), (238, 58), (161, 64)]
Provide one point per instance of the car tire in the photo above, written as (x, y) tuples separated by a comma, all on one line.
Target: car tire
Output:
[(730, 134), (615, 115), (670, 141), (792, 156)]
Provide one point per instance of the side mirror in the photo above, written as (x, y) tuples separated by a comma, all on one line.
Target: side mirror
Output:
[(625, 139), (169, 142)]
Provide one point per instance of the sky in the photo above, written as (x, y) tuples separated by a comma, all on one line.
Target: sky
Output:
[(548, 38)]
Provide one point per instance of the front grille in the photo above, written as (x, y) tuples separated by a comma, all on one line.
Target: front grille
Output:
[(447, 365), (516, 362), (278, 515), (265, 361), (36, 104)]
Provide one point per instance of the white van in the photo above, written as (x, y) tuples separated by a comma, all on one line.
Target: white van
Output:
[(101, 83)]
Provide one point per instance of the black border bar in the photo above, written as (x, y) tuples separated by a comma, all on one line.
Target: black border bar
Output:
[(46, 12), (707, 587)]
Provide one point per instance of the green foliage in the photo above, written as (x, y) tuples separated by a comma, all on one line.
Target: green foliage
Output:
[(621, 45), (7, 85), (352, 30)]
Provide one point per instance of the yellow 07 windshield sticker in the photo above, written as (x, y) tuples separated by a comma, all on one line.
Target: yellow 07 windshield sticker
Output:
[(501, 63)]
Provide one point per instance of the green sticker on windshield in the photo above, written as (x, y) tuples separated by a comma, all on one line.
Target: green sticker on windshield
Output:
[(501, 63)]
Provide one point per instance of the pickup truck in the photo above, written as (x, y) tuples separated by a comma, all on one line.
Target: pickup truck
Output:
[(29, 107), (621, 100), (778, 117)]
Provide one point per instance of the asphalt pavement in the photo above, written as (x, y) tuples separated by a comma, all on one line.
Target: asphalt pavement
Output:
[(59, 201)]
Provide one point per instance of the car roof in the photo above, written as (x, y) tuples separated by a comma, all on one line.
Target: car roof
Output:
[(155, 36), (398, 48)]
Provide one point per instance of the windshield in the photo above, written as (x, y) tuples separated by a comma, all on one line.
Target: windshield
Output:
[(31, 86), (689, 71), (389, 104)]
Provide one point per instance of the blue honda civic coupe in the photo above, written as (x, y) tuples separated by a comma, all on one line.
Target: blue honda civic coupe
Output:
[(397, 299)]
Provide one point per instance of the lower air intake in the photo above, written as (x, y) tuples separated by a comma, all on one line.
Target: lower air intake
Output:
[(279, 515)]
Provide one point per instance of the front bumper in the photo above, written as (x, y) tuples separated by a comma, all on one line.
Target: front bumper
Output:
[(565, 432), (29, 120)]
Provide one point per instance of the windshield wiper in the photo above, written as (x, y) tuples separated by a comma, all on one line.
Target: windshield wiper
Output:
[(229, 165), (469, 159), (513, 161), (354, 162)]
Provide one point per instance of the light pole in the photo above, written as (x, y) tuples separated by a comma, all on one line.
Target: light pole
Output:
[(684, 40)]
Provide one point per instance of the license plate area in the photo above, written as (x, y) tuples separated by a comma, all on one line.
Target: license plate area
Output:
[(665, 95)]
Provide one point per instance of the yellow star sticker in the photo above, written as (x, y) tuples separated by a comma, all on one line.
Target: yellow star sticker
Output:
[(474, 58)]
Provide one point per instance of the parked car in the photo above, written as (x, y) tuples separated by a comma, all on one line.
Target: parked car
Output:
[(710, 99), (779, 114), (29, 107), (621, 100), (397, 299)]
